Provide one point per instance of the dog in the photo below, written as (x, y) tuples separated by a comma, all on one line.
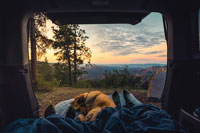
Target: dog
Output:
[(90, 104)]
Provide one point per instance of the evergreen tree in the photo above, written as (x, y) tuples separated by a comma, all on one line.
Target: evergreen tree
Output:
[(63, 43), (71, 49), (81, 52), (45, 71), (46, 79), (61, 73), (39, 42)]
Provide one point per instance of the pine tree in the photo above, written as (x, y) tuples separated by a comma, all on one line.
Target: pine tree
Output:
[(71, 49), (81, 52), (39, 42)]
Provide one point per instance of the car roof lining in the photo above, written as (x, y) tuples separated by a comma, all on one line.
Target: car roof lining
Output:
[(97, 17)]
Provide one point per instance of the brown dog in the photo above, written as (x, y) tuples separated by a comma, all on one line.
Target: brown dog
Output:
[(90, 104)]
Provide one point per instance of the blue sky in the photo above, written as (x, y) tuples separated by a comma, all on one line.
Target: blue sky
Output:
[(123, 40), (126, 43)]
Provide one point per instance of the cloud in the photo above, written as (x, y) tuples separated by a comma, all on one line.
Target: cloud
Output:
[(127, 52), (154, 52), (162, 55), (118, 47), (140, 59), (145, 60), (125, 39)]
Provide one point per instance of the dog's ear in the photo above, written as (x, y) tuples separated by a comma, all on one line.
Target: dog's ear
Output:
[(81, 99)]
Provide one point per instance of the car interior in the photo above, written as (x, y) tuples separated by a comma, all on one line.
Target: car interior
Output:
[(181, 25)]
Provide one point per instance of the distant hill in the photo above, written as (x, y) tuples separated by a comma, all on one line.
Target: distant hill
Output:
[(97, 71), (131, 65)]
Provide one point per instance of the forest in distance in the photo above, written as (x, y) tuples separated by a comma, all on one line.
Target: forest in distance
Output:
[(51, 75)]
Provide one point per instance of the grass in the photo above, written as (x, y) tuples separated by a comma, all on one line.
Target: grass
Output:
[(59, 94)]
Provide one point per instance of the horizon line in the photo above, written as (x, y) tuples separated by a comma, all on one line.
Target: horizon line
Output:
[(114, 63)]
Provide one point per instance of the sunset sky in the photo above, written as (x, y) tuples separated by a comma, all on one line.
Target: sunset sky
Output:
[(125, 43)]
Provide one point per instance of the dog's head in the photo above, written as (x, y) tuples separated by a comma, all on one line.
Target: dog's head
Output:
[(79, 103)]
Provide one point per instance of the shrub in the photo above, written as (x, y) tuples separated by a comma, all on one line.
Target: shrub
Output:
[(82, 84), (46, 80)]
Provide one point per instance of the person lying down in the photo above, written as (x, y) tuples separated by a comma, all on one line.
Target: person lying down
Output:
[(96, 112)]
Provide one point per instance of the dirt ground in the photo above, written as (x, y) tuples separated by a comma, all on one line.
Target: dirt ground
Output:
[(59, 94)]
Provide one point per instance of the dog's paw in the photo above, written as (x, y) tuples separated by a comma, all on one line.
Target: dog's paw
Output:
[(81, 117)]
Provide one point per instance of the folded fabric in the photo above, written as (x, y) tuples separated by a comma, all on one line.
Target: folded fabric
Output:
[(197, 112), (140, 118)]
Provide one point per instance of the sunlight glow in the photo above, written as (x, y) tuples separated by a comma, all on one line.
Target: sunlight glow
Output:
[(112, 46)]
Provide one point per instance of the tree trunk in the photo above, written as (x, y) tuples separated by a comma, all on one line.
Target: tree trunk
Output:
[(70, 72), (33, 55), (75, 60), (69, 67)]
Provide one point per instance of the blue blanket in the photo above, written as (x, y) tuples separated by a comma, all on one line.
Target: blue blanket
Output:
[(141, 118)]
